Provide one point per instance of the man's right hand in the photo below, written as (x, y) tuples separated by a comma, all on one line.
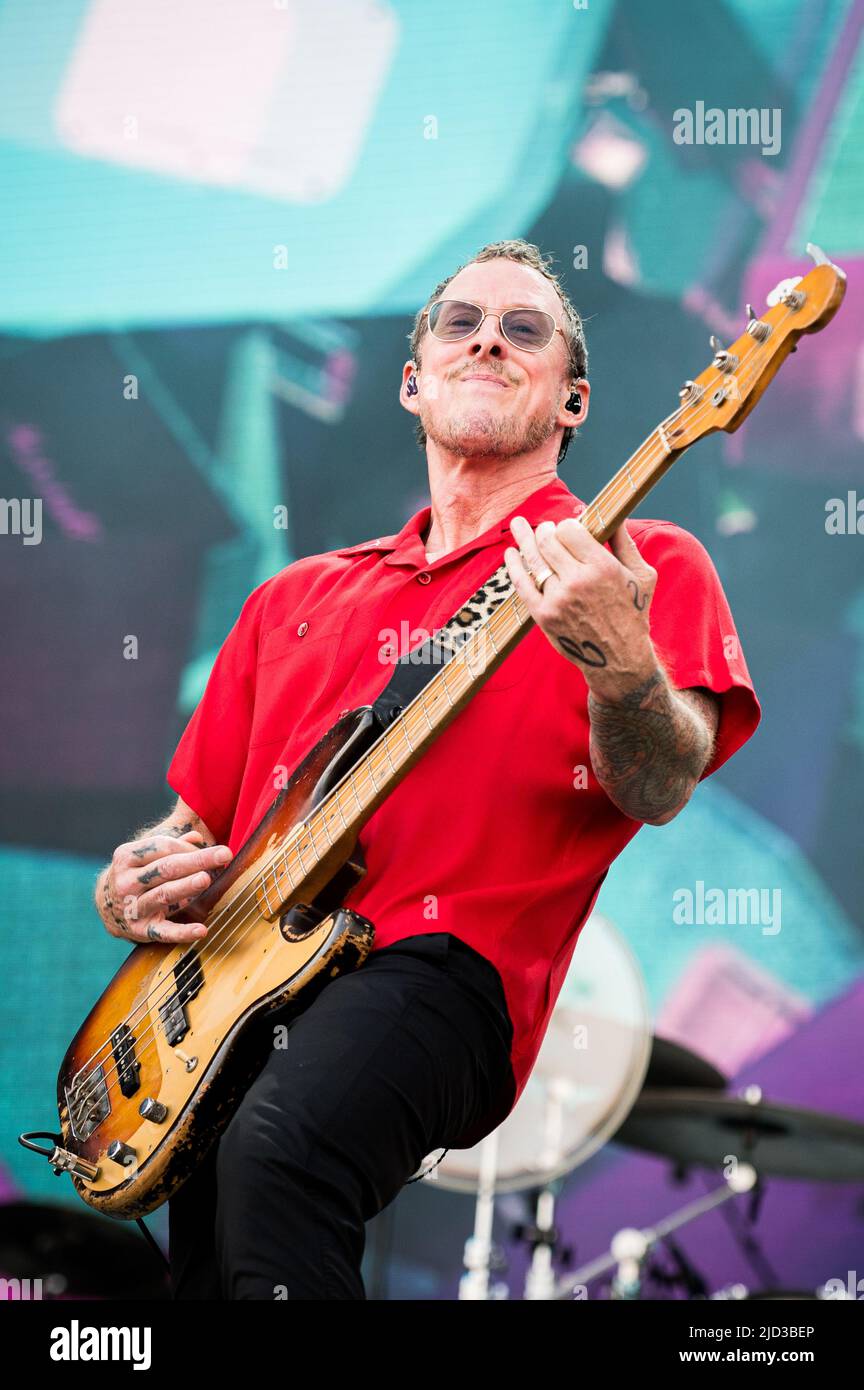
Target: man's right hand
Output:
[(151, 877)]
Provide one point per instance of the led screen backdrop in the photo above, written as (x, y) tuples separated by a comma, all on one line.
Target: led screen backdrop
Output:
[(216, 231)]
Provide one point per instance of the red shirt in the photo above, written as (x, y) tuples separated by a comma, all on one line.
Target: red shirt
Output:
[(492, 835)]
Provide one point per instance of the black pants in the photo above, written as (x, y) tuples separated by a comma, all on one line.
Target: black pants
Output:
[(407, 1054)]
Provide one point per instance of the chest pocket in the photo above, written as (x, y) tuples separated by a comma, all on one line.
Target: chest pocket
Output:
[(295, 672)]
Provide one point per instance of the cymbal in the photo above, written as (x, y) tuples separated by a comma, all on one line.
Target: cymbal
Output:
[(697, 1127), (77, 1253), (671, 1065)]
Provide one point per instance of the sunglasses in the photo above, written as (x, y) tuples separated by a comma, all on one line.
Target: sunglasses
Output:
[(531, 329)]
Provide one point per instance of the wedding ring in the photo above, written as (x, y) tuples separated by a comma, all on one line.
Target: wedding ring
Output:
[(541, 578)]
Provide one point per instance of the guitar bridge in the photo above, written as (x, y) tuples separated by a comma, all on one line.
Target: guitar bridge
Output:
[(88, 1102)]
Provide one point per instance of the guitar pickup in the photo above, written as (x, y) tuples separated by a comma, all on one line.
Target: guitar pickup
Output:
[(123, 1049), (189, 978)]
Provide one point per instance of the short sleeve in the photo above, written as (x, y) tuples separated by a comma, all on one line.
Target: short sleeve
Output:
[(694, 633), (210, 759)]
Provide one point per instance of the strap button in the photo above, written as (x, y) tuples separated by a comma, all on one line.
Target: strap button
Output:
[(304, 627)]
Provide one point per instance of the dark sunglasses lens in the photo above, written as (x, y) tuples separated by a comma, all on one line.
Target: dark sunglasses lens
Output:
[(528, 328), (450, 318)]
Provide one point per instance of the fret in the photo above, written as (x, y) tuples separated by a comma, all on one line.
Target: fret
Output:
[(386, 742), (263, 882), (299, 848), (287, 866)]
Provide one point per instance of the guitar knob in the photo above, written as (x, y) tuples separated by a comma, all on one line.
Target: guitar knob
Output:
[(153, 1110), (120, 1153)]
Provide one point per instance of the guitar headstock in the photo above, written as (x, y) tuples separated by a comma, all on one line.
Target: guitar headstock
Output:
[(724, 394)]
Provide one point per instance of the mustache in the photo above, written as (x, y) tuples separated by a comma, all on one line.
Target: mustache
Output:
[(486, 371)]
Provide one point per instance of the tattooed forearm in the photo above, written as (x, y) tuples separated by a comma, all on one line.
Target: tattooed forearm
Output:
[(648, 749)]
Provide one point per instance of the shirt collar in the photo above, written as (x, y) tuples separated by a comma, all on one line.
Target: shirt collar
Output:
[(553, 501)]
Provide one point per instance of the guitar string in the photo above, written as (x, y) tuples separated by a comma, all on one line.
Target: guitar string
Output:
[(238, 903)]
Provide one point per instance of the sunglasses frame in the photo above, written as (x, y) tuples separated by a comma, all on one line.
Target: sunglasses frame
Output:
[(490, 313)]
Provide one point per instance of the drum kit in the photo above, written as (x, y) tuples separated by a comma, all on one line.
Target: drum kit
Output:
[(602, 1074)]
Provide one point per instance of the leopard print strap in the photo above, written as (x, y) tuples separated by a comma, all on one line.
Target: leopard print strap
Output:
[(446, 641)]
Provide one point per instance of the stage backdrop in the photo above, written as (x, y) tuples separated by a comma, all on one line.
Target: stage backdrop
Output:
[(218, 223)]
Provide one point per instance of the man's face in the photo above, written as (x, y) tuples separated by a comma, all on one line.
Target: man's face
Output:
[(515, 411)]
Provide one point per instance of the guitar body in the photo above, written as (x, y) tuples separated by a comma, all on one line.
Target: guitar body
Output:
[(187, 1025)]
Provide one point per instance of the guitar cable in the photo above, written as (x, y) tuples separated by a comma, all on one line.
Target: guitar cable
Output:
[(152, 1242)]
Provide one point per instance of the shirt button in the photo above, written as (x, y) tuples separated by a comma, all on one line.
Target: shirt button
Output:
[(424, 578), (304, 627)]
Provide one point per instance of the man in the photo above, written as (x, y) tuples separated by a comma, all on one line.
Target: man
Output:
[(485, 861)]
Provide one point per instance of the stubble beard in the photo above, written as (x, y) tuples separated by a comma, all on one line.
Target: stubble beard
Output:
[(483, 433)]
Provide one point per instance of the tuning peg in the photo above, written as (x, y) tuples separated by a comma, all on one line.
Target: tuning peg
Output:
[(691, 391), (724, 360), (816, 254), (757, 328), (786, 293)]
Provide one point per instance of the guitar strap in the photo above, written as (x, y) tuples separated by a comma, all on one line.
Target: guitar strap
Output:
[(415, 669)]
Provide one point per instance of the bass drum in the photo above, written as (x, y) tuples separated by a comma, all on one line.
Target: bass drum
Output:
[(588, 1073)]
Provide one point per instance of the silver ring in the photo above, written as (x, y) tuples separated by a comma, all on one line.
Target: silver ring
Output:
[(541, 578)]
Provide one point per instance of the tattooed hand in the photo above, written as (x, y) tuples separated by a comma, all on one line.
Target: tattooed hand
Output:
[(149, 877), (649, 744), (594, 607)]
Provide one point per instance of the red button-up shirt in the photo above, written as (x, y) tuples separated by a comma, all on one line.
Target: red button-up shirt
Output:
[(501, 833)]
